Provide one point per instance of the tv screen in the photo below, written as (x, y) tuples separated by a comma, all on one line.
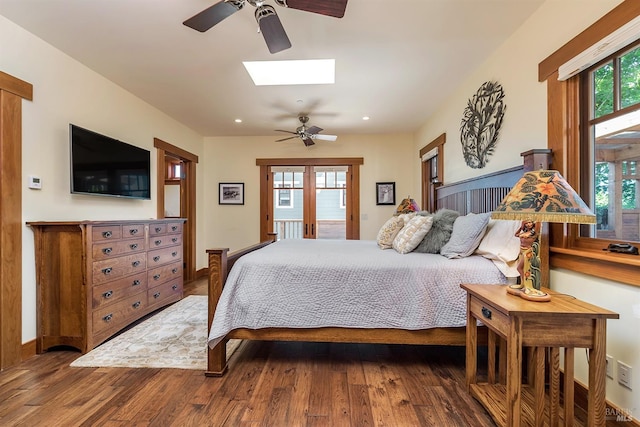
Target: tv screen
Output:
[(104, 166)]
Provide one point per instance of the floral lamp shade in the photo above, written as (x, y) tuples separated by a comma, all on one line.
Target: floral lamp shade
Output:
[(406, 206), (539, 196), (544, 196)]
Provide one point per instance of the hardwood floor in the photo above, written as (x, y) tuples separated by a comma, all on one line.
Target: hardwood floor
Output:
[(269, 384)]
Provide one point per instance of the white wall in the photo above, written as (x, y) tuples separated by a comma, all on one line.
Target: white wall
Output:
[(233, 159), (64, 91), (515, 66)]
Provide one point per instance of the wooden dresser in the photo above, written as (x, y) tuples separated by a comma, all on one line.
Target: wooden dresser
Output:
[(96, 277)]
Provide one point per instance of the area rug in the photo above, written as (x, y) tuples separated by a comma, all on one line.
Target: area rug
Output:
[(172, 338)]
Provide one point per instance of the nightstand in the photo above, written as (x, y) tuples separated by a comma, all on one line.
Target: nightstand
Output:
[(543, 328)]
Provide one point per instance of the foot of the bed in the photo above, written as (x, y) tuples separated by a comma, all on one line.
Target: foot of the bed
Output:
[(215, 373), (217, 360)]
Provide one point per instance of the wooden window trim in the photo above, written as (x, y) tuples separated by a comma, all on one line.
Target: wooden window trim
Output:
[(569, 250)]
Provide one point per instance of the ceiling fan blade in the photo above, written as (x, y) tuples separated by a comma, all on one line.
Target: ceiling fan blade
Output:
[(308, 142), (335, 8), (272, 29), (313, 130), (213, 15), (325, 137), (287, 131), (284, 139)]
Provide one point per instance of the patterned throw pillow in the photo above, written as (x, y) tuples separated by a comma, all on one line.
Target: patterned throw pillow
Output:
[(389, 231), (412, 234)]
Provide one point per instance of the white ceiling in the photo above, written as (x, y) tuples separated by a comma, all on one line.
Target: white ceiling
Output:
[(395, 59)]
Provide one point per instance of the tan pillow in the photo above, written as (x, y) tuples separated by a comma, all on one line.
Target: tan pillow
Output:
[(412, 234), (389, 231)]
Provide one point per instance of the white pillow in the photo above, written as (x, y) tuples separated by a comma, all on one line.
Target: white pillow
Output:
[(501, 245), (389, 231), (412, 234), (467, 233)]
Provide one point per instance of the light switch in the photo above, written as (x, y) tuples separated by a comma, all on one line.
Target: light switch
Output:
[(35, 182)]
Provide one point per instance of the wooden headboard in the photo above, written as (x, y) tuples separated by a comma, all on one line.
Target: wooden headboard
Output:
[(485, 192)]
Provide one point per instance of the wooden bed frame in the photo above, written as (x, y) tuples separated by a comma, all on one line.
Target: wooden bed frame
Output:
[(481, 194)]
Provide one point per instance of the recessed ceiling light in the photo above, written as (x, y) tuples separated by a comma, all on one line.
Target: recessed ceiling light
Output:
[(296, 72), (238, 120), (365, 118)]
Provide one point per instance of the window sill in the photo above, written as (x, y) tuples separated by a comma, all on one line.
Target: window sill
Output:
[(617, 267)]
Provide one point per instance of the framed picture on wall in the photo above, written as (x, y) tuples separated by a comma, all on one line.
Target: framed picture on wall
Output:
[(385, 193), (231, 193)]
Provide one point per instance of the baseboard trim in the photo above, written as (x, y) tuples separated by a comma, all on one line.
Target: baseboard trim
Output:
[(616, 417), (203, 272), (28, 350)]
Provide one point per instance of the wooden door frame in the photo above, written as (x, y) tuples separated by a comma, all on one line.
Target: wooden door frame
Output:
[(189, 233), (428, 187), (352, 215), (12, 92)]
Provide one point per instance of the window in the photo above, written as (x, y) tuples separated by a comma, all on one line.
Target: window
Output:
[(578, 107), (610, 145)]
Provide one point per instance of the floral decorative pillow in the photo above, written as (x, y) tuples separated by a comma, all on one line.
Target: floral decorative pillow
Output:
[(412, 234), (389, 231)]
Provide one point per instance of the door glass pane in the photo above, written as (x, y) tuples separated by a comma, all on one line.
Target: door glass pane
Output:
[(331, 199), (602, 84), (288, 213), (630, 78)]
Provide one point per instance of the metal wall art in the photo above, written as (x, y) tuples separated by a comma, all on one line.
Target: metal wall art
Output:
[(481, 123)]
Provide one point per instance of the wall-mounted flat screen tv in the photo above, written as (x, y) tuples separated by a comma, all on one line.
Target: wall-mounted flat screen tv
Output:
[(104, 166)]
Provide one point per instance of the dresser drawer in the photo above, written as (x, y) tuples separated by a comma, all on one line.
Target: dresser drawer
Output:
[(114, 291), (157, 229), (166, 272), (132, 231), (159, 294), (174, 227), (121, 313), (111, 269), (163, 256), (117, 248), (164, 241), (101, 233), (490, 316)]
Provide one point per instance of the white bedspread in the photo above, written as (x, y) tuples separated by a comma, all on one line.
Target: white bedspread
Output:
[(346, 283)]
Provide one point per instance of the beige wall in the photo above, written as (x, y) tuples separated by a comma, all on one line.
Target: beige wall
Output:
[(64, 91), (386, 158), (515, 66)]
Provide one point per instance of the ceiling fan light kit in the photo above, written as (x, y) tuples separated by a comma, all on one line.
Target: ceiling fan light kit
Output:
[(266, 16)]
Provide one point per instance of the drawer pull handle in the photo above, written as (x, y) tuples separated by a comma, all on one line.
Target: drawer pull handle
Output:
[(158, 242), (158, 229), (174, 240), (174, 227), (133, 231), (156, 258), (135, 263), (486, 312), (108, 317), (174, 271), (156, 295), (107, 294), (106, 234), (136, 304), (174, 287), (156, 277), (133, 246), (107, 271), (107, 251), (136, 283), (174, 254)]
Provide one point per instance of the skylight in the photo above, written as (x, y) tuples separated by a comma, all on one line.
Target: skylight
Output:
[(295, 72)]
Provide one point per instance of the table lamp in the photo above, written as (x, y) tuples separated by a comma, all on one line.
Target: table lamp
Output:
[(539, 196), (407, 205)]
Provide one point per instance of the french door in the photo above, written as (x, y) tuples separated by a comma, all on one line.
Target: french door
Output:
[(310, 198)]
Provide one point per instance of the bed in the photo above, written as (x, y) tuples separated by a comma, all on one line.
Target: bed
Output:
[(334, 310)]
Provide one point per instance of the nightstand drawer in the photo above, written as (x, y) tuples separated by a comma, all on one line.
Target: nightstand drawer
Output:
[(490, 316)]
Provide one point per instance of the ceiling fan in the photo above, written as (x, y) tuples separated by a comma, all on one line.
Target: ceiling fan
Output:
[(307, 134), (266, 16)]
